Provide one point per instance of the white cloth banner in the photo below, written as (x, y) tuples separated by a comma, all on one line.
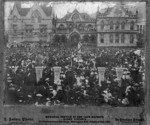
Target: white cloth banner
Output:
[(57, 71), (119, 72), (101, 74), (39, 71)]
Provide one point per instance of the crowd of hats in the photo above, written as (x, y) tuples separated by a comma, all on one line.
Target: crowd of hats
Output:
[(78, 84)]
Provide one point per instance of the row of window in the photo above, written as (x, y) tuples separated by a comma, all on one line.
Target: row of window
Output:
[(29, 28), (35, 17), (81, 27), (117, 38), (141, 28), (117, 25)]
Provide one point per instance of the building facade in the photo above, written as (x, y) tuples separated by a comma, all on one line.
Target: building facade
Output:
[(115, 26), (30, 24), (75, 27)]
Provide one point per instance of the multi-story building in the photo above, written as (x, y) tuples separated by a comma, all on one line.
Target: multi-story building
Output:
[(30, 24), (115, 26), (75, 27)]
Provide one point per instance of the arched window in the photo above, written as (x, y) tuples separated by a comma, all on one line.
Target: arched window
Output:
[(132, 25), (102, 38), (141, 27), (29, 29), (14, 18), (32, 19), (122, 38), (138, 28), (123, 25), (43, 29), (39, 19), (70, 26), (85, 38), (117, 25), (80, 27), (131, 38), (93, 38), (102, 25), (61, 26), (56, 39), (111, 25), (36, 17), (89, 27), (117, 38), (14, 27), (111, 38), (63, 39)]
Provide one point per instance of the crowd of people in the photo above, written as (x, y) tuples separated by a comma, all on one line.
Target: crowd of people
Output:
[(79, 79)]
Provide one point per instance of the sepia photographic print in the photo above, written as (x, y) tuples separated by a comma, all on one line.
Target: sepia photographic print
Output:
[(77, 62)]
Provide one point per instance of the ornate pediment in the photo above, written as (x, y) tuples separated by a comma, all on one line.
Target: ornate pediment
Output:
[(76, 16), (117, 11)]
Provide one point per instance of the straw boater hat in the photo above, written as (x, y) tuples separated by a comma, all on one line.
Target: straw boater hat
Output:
[(50, 88), (47, 79), (47, 99), (39, 95), (28, 60), (29, 96)]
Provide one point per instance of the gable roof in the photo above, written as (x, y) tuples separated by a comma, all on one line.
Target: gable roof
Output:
[(21, 11), (84, 16), (117, 11), (47, 9), (24, 11)]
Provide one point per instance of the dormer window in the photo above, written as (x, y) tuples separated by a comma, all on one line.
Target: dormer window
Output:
[(36, 17), (14, 18)]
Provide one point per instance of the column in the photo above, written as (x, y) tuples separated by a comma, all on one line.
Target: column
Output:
[(57, 71), (39, 71), (119, 72), (98, 39), (101, 72)]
